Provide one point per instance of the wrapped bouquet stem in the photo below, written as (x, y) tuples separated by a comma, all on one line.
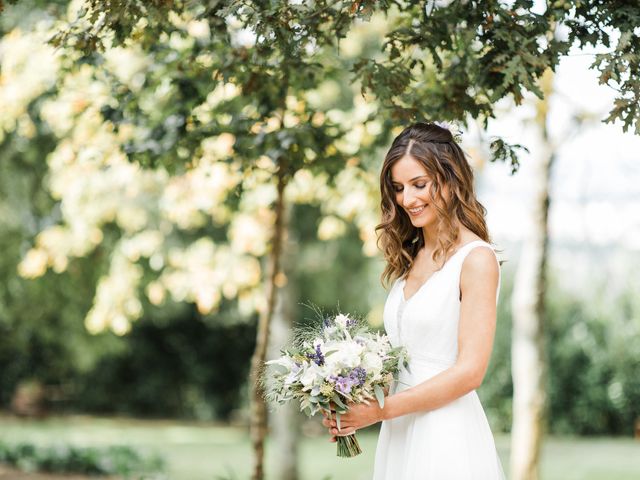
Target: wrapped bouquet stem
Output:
[(342, 361)]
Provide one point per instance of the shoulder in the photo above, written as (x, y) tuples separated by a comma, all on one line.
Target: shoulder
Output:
[(480, 265)]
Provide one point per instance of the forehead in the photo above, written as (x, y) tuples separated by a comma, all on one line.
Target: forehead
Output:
[(406, 169)]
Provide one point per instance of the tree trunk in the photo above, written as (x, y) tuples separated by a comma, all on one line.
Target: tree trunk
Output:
[(527, 354), (285, 419), (258, 405)]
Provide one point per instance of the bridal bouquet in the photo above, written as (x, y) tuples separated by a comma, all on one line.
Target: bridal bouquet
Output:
[(340, 361)]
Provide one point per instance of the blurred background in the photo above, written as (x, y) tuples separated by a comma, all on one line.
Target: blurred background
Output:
[(130, 293)]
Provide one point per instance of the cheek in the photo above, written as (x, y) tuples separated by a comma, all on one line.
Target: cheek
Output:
[(436, 196)]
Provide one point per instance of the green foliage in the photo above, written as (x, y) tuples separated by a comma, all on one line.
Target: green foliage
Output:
[(594, 362), (267, 73), (11, 2), (32, 314), (114, 460), (619, 66), (496, 392), (593, 384), (436, 62), (507, 152), (186, 366)]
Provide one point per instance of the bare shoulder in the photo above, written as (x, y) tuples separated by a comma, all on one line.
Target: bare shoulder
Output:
[(480, 265)]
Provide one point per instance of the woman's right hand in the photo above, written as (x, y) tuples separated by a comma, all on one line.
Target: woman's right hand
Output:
[(326, 421)]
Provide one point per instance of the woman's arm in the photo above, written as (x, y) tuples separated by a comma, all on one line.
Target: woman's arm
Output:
[(478, 286)]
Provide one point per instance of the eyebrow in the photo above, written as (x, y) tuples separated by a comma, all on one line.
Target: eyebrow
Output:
[(414, 178)]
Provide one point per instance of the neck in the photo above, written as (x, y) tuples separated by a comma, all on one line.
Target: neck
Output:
[(430, 235)]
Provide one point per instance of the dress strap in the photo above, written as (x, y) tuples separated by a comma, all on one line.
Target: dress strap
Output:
[(466, 249)]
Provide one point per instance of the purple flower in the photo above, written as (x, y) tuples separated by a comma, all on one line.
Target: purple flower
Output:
[(344, 384), (317, 357), (356, 378), (358, 375)]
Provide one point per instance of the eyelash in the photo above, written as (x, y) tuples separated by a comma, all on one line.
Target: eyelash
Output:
[(420, 186)]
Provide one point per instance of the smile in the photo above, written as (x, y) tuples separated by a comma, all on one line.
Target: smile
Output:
[(416, 211)]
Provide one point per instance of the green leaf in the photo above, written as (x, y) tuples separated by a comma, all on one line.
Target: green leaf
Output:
[(280, 369), (339, 402), (379, 395)]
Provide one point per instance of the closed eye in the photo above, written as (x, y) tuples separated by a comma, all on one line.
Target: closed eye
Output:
[(399, 188)]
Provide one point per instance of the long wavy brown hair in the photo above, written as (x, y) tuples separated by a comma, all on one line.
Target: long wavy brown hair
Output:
[(445, 162)]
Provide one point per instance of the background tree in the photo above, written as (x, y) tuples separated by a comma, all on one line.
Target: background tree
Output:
[(438, 61), (527, 350)]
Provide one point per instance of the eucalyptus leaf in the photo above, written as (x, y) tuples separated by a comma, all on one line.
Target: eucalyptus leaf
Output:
[(379, 395), (339, 402), (281, 369)]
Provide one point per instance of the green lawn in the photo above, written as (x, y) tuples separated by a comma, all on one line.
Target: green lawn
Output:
[(199, 451)]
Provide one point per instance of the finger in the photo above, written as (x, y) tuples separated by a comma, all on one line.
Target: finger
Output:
[(333, 439), (327, 423), (344, 431)]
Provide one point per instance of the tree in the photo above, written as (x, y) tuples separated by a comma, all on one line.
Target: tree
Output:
[(527, 350), (444, 60)]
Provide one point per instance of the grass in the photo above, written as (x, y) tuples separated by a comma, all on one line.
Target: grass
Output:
[(205, 451)]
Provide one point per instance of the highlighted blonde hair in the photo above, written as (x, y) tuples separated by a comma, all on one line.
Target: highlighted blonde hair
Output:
[(445, 162)]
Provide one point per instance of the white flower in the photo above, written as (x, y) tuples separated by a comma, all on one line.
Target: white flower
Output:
[(312, 374), (199, 29), (284, 361), (372, 363), (330, 332), (347, 356), (331, 227), (342, 320), (293, 374)]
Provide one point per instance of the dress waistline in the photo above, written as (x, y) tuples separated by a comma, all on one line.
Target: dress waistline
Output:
[(422, 359)]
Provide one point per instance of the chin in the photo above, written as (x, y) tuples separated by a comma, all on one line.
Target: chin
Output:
[(422, 221)]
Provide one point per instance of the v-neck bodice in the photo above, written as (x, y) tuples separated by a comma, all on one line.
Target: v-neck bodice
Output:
[(427, 322), (403, 281)]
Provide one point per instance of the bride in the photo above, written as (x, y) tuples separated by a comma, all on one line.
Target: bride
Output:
[(444, 278)]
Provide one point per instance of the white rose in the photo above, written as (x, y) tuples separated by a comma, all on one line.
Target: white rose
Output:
[(372, 363), (347, 356), (311, 373)]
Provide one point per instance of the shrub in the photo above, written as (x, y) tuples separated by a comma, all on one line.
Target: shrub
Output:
[(113, 460)]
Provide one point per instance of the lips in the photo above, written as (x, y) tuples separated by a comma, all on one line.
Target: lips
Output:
[(414, 212)]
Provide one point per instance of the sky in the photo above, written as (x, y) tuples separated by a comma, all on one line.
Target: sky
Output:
[(595, 195)]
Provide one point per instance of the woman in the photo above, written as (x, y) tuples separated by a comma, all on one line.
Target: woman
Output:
[(441, 307)]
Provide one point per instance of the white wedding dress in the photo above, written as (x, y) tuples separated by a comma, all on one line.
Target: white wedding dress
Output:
[(453, 442)]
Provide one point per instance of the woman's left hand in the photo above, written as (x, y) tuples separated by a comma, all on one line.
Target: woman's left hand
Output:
[(358, 416)]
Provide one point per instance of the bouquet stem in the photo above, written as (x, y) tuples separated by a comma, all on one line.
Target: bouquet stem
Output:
[(348, 446)]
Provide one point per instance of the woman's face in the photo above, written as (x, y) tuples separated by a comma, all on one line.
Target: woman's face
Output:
[(412, 186)]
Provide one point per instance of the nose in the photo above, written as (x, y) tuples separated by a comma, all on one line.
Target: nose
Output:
[(408, 198)]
